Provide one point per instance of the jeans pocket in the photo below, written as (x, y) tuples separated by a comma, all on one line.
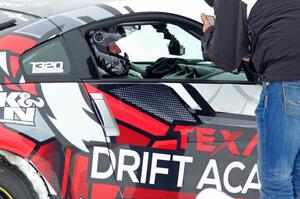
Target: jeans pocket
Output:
[(291, 91), (263, 100)]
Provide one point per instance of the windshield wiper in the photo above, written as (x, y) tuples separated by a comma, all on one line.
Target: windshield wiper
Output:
[(7, 24)]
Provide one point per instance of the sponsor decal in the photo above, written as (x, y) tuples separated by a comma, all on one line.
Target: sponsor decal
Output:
[(208, 138), (151, 168), (47, 67), (205, 157), (19, 107)]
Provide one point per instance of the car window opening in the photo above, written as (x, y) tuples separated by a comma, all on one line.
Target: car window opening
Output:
[(152, 51)]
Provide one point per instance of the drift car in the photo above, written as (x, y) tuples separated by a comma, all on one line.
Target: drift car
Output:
[(114, 100)]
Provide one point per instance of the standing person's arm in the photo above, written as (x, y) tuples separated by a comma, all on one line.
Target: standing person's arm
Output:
[(226, 43)]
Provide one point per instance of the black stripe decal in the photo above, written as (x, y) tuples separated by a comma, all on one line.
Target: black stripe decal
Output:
[(86, 19), (110, 9), (206, 108), (128, 9)]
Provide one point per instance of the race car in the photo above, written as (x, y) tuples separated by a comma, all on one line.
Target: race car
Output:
[(113, 99)]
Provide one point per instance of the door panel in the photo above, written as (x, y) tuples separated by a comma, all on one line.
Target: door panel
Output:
[(177, 140), (172, 143)]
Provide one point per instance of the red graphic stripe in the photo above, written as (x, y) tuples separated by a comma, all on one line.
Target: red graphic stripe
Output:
[(80, 187), (30, 88), (14, 65), (104, 191), (155, 194), (16, 44), (251, 146), (165, 144), (11, 86), (131, 137), (46, 160), (15, 143), (132, 116), (66, 172)]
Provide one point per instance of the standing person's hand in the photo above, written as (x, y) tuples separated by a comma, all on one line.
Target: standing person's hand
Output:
[(208, 21)]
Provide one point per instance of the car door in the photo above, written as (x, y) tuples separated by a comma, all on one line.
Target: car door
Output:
[(179, 126)]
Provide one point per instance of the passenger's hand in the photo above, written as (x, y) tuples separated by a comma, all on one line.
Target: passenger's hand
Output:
[(207, 22)]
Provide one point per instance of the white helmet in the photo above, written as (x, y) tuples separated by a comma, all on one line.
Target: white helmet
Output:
[(100, 40)]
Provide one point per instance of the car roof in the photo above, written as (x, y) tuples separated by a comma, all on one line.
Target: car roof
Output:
[(187, 8), (47, 8), (79, 17)]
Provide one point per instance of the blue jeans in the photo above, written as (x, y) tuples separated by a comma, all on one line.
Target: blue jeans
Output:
[(278, 122)]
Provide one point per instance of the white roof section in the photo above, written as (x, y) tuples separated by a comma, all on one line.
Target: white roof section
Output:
[(188, 8)]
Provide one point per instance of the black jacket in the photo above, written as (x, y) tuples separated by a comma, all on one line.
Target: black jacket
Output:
[(271, 35)]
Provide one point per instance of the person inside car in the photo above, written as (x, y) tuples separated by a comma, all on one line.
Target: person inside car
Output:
[(108, 54)]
